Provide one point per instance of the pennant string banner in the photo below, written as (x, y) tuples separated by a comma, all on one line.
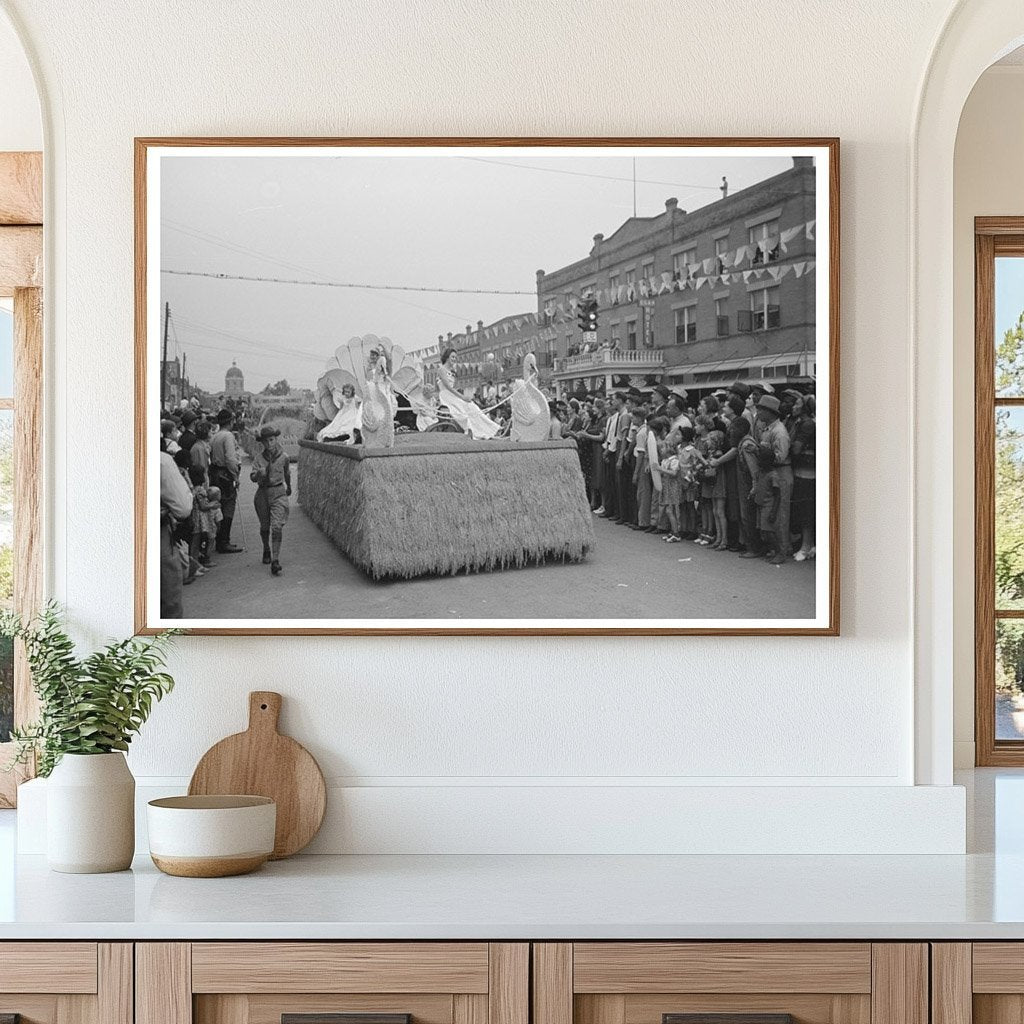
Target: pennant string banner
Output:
[(698, 274)]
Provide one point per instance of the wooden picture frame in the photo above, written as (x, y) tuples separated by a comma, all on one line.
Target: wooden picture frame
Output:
[(993, 237), (150, 151)]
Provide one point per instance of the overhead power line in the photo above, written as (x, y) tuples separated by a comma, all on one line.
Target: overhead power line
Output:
[(343, 284), (257, 344), (244, 250), (589, 174)]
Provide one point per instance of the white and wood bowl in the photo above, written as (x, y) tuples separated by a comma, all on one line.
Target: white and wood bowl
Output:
[(211, 836)]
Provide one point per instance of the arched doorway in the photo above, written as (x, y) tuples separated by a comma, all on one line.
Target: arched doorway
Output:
[(977, 33)]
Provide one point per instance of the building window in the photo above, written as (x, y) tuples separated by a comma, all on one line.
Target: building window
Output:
[(647, 270), (631, 335), (681, 264), (686, 325), (721, 248), (760, 234), (785, 370), (764, 309), (614, 283), (615, 336), (722, 317)]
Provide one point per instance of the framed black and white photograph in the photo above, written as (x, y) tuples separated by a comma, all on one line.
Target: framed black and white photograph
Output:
[(508, 386)]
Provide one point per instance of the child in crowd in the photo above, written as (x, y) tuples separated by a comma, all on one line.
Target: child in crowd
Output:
[(671, 491), (169, 437), (690, 461), (212, 515), (706, 448), (715, 493), (719, 495), (207, 515)]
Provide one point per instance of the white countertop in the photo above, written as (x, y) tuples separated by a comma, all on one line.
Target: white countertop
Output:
[(978, 896), (516, 897)]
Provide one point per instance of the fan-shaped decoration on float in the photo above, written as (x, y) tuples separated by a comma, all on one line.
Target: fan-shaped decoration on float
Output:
[(376, 368), (531, 418)]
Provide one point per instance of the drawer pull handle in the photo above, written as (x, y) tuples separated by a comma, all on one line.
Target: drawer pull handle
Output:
[(726, 1018), (340, 1018)]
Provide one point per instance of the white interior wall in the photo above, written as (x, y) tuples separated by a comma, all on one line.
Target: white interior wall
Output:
[(434, 718), (987, 182), (21, 126)]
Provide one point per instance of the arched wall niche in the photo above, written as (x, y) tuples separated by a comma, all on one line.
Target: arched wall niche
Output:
[(975, 35)]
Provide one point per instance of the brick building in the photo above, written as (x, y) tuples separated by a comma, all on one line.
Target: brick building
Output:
[(698, 299), (494, 352)]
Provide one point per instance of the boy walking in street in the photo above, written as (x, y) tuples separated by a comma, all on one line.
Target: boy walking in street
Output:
[(271, 472)]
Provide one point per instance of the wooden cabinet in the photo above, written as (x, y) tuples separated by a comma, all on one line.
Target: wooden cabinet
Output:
[(307, 982), (494, 983), (978, 983), (751, 982), (66, 982)]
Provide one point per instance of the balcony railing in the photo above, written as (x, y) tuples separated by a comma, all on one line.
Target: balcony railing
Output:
[(608, 358)]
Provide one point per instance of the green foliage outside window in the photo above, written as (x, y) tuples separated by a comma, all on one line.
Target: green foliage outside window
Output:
[(1009, 472), (1009, 510)]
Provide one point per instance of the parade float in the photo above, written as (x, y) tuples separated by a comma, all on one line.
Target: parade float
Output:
[(419, 502)]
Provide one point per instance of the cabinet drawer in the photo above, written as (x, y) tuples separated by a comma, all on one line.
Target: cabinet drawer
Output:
[(753, 967), (730, 983), (332, 983), (65, 967), (340, 967)]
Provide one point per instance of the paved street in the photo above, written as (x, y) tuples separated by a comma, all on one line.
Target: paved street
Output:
[(627, 575), (1009, 717)]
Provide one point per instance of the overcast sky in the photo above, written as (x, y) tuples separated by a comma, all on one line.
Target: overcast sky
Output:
[(484, 220)]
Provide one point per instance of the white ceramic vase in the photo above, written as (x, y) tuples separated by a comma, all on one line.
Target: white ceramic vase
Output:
[(90, 814)]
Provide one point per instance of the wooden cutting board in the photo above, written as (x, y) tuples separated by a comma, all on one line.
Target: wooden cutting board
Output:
[(262, 762)]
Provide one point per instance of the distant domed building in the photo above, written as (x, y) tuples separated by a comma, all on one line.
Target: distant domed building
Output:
[(234, 382)]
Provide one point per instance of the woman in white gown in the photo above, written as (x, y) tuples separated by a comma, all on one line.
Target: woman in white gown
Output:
[(470, 417), (349, 419)]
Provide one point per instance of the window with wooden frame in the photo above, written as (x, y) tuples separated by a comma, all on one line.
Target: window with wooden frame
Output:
[(686, 325), (21, 368), (999, 490)]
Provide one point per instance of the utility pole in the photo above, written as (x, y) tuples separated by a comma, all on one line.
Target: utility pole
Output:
[(163, 364), (634, 186), (184, 376)]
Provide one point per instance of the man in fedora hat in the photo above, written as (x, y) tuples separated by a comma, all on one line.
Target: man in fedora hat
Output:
[(271, 472), (775, 442), (188, 435), (225, 467), (660, 397)]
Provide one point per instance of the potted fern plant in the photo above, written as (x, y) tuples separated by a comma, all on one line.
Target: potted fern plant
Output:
[(90, 708)]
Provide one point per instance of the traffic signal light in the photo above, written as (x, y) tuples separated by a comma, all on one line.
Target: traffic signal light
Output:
[(586, 315)]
